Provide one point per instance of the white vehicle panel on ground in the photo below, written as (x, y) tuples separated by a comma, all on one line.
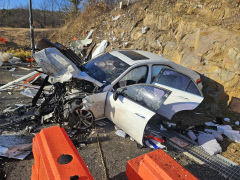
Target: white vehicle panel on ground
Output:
[(128, 115)]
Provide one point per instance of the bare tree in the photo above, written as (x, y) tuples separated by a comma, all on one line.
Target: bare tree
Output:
[(44, 8), (75, 4)]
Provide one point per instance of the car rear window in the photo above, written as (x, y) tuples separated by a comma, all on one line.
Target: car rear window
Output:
[(176, 80), (173, 79), (193, 89)]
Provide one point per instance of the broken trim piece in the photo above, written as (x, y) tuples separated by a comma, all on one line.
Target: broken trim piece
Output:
[(19, 79)]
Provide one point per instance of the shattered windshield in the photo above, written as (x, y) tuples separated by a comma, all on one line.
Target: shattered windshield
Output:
[(105, 68)]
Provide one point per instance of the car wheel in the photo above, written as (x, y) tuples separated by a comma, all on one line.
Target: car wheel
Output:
[(81, 119)]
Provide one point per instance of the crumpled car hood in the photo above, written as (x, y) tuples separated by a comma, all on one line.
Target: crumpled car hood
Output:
[(60, 68)]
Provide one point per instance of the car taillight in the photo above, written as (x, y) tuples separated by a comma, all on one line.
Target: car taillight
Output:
[(198, 81)]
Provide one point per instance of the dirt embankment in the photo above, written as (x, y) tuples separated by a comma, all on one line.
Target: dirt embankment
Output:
[(20, 37), (202, 35)]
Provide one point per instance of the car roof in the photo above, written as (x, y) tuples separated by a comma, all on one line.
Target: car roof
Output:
[(130, 56), (152, 58)]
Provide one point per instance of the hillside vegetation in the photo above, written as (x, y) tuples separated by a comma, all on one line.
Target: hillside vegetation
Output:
[(19, 18)]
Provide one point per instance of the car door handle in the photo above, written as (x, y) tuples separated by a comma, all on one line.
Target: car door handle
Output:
[(140, 115)]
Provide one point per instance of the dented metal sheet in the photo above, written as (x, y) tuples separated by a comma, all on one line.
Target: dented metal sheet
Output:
[(59, 67), (178, 101), (132, 107)]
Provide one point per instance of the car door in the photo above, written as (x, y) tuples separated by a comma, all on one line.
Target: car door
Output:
[(131, 107)]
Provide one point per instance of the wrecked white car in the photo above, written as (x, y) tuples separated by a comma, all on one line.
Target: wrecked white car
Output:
[(129, 87)]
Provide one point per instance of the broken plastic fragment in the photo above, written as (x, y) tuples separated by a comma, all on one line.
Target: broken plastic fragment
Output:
[(216, 134), (29, 92), (209, 143), (232, 135), (121, 133), (237, 123), (227, 119), (100, 49), (192, 135), (116, 18), (210, 124), (12, 69), (222, 128), (154, 144), (145, 29)]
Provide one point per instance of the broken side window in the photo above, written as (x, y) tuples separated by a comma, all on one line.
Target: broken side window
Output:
[(105, 68), (193, 89), (135, 76), (173, 79), (156, 69), (148, 96)]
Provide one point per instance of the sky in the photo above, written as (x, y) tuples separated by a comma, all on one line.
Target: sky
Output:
[(37, 4)]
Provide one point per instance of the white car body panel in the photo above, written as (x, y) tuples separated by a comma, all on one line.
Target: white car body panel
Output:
[(131, 117), (178, 101), (96, 104), (59, 67)]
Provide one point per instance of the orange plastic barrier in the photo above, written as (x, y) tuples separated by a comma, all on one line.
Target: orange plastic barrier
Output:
[(156, 165), (55, 157)]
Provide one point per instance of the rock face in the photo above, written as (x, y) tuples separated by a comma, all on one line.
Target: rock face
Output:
[(203, 35)]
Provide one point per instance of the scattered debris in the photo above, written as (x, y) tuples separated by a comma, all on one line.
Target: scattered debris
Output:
[(2, 40), (120, 133), (222, 128), (216, 134), (4, 57), (17, 147), (226, 119), (155, 144), (16, 60), (233, 135), (90, 34), (145, 29), (101, 123), (192, 135), (79, 45), (237, 123), (120, 4), (12, 69), (116, 18), (18, 80), (29, 92), (209, 143), (100, 49), (210, 124)]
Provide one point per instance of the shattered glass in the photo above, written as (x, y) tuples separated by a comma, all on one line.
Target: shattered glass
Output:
[(148, 96), (105, 68), (173, 79)]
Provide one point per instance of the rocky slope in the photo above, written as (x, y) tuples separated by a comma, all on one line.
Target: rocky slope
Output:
[(203, 35)]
